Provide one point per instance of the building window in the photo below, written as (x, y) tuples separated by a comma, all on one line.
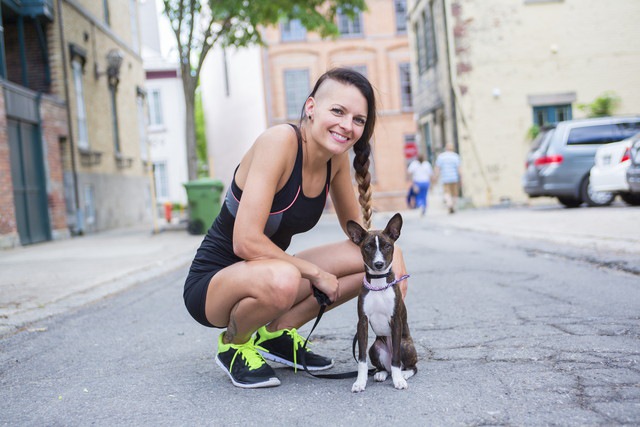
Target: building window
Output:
[(427, 142), (348, 26), (430, 38), (551, 114), (105, 6), (155, 108), (296, 87), (114, 122), (405, 86), (292, 31), (418, 30), (401, 16), (89, 205), (81, 112), (142, 128), (161, 181)]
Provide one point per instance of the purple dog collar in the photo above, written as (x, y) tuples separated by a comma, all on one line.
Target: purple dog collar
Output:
[(388, 285)]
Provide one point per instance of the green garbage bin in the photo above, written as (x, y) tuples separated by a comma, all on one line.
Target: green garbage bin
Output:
[(203, 196)]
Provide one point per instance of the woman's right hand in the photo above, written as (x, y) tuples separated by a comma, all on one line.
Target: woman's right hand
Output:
[(327, 283)]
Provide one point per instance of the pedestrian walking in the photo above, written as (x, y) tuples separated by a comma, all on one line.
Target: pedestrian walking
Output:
[(421, 173), (241, 278), (448, 172)]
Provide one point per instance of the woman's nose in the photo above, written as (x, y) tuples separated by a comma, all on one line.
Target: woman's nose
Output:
[(347, 122)]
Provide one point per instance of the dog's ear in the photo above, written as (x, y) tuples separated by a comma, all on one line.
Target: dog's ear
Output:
[(355, 231), (393, 227)]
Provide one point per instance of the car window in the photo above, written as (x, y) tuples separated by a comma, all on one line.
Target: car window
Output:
[(598, 134), (627, 130), (541, 141), (545, 141)]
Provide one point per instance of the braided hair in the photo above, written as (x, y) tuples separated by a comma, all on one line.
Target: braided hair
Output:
[(362, 147)]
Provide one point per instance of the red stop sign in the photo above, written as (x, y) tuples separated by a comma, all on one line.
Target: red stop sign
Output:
[(410, 150)]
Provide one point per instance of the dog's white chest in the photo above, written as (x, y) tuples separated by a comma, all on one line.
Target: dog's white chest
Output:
[(378, 307)]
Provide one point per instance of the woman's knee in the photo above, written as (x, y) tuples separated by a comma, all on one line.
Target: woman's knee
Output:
[(282, 283)]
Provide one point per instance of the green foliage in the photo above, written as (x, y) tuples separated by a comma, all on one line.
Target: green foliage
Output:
[(201, 137), (532, 132), (602, 106), (200, 25)]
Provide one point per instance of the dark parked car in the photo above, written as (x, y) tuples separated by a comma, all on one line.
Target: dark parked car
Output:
[(559, 164), (633, 173)]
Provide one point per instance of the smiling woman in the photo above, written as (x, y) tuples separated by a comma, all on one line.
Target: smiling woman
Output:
[(241, 278)]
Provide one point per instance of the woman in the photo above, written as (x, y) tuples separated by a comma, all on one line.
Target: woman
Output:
[(241, 278), (421, 172)]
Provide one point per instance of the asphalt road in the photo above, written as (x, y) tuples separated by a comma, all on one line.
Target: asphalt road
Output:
[(508, 331)]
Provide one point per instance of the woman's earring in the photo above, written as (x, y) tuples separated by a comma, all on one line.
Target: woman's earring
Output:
[(309, 117)]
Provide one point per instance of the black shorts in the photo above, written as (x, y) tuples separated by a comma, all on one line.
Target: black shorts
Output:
[(195, 295)]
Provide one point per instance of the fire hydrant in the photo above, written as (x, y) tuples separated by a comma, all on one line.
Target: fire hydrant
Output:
[(167, 211)]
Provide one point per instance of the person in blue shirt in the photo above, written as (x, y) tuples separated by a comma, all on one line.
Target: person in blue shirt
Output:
[(448, 172)]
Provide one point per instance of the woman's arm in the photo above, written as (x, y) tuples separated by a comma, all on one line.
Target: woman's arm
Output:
[(263, 171)]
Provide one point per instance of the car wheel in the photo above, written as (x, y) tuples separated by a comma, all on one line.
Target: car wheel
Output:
[(631, 199), (570, 202), (595, 198)]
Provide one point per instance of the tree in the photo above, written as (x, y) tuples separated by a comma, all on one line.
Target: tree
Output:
[(200, 25), (201, 138)]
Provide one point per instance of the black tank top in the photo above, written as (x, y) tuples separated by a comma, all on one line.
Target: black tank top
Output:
[(292, 212)]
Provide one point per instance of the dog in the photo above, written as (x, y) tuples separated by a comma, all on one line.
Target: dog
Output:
[(380, 304)]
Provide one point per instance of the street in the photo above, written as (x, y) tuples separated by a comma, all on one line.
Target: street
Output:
[(509, 331)]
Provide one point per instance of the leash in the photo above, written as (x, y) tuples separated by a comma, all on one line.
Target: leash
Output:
[(324, 301), (303, 355)]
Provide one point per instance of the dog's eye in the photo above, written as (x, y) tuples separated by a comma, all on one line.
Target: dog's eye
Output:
[(369, 246)]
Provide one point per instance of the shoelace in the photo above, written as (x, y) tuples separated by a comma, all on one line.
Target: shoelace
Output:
[(249, 352), (298, 342)]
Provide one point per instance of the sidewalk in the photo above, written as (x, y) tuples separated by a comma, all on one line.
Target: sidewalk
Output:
[(42, 280), (49, 278)]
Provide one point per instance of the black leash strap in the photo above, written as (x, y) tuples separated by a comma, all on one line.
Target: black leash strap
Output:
[(324, 301)]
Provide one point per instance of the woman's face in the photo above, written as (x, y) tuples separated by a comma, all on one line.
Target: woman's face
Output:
[(339, 114)]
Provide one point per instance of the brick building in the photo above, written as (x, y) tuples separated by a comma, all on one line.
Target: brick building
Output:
[(374, 43), (72, 83)]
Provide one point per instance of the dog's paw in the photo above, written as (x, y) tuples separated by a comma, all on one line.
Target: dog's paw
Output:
[(380, 376), (400, 383), (358, 386)]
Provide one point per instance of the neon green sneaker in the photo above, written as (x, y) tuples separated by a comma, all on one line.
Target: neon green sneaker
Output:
[(244, 365), (286, 346)]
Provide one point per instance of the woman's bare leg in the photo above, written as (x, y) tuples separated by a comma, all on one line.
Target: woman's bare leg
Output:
[(247, 295)]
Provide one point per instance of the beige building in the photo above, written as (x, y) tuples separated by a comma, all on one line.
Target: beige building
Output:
[(484, 73), (374, 43), (99, 73)]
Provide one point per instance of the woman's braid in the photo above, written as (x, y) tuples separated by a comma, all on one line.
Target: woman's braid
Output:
[(362, 151)]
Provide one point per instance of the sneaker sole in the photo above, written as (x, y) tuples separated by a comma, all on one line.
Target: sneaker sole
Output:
[(289, 363), (271, 382)]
